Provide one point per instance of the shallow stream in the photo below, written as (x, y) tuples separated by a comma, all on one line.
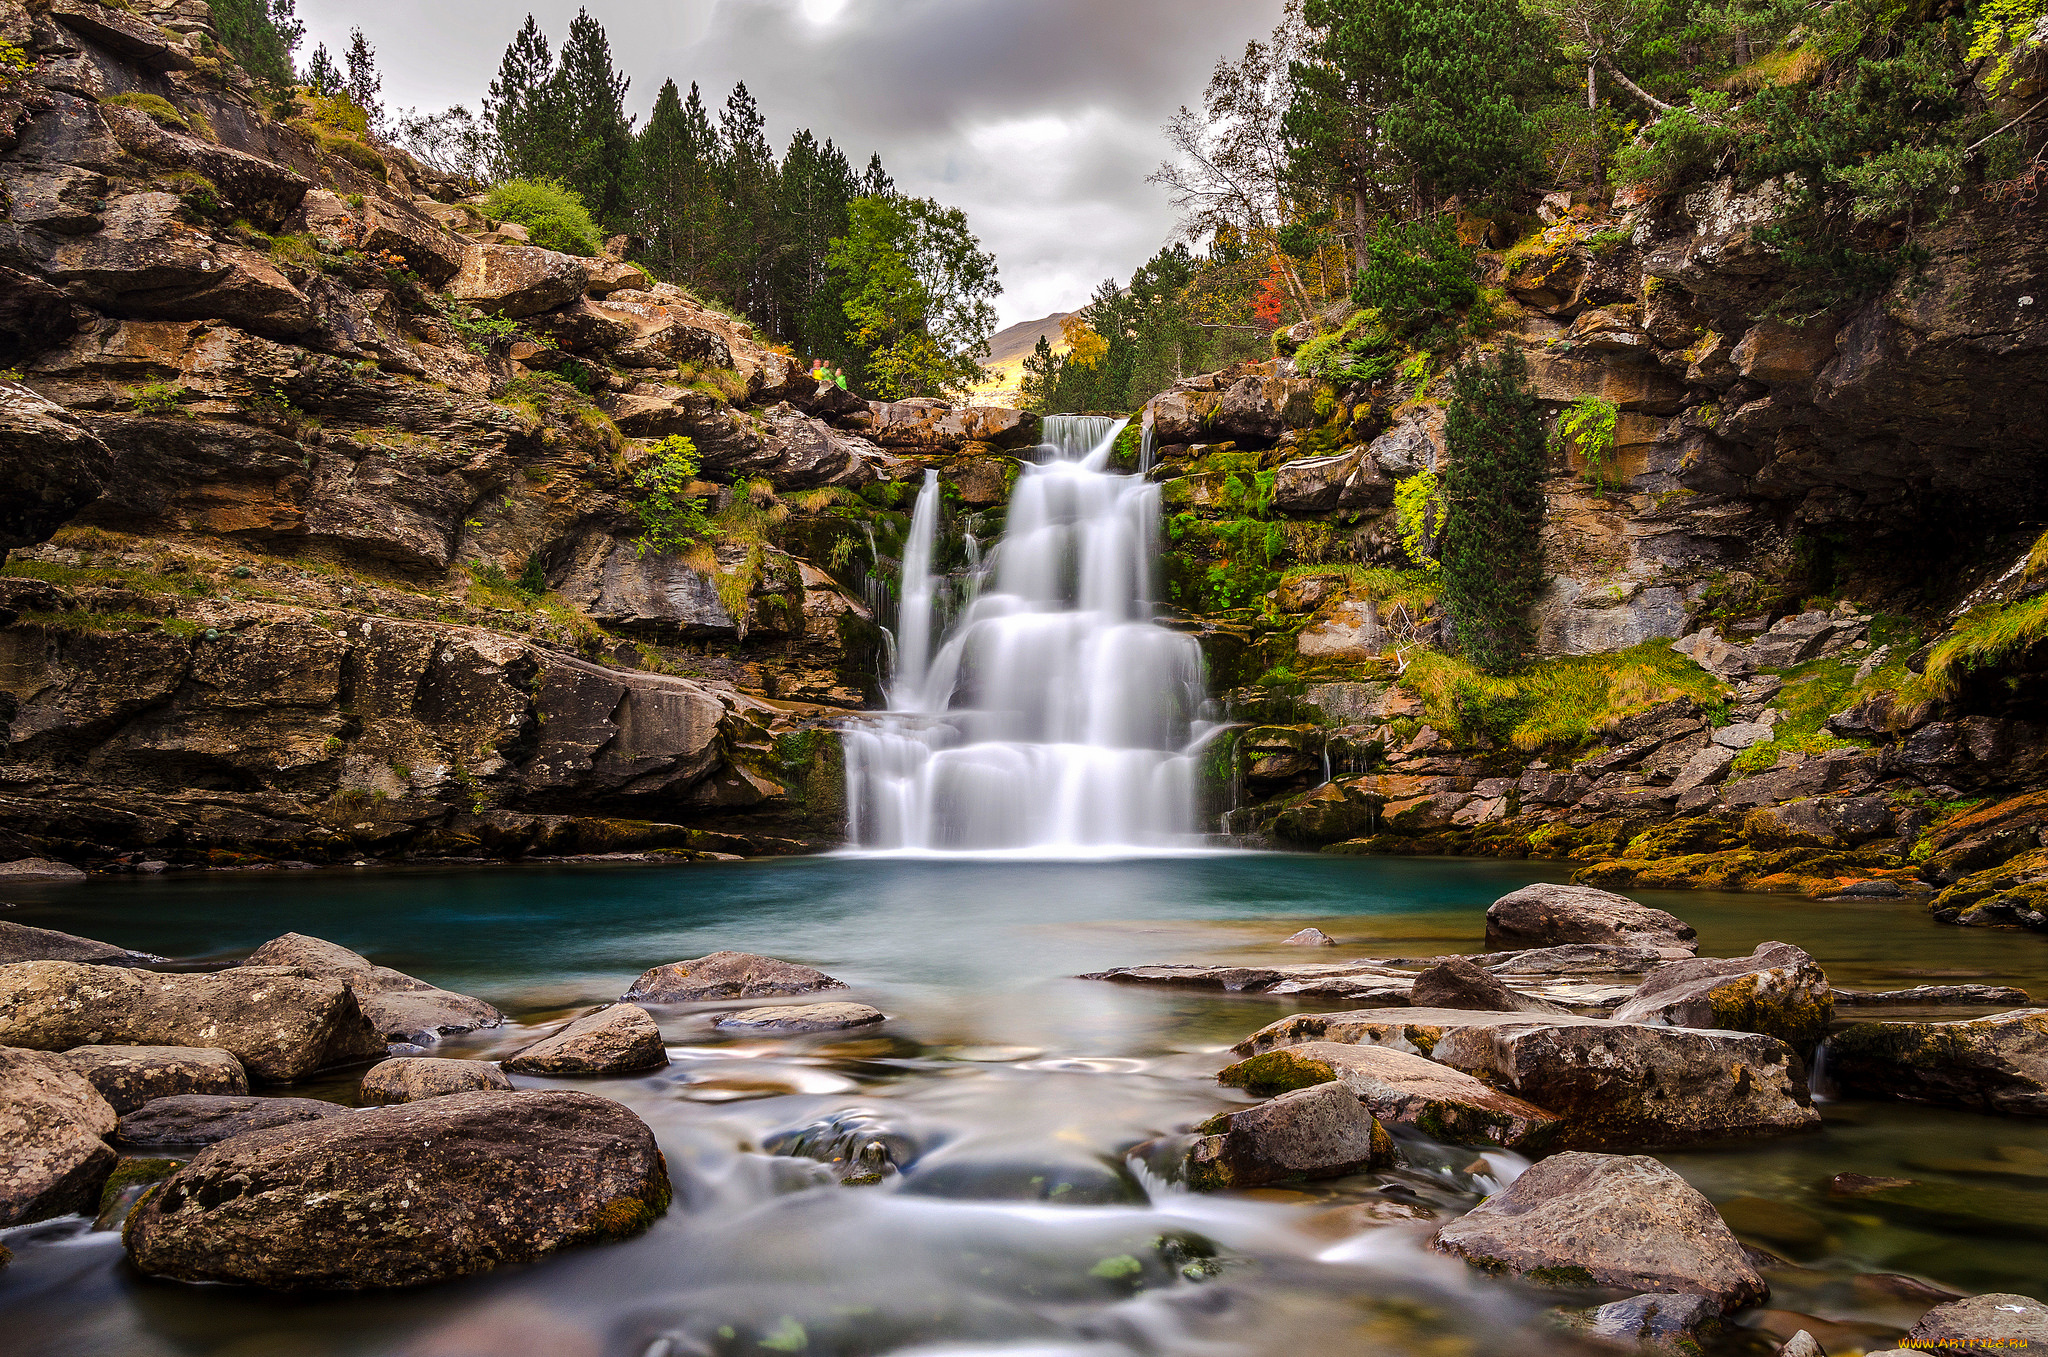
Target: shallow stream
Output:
[(1019, 1229)]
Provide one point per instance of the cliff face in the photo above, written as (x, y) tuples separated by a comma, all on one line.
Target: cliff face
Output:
[(320, 490)]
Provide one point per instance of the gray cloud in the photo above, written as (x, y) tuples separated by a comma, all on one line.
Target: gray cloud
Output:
[(1039, 117)]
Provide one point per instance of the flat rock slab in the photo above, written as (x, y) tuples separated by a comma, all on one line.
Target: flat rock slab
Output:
[(1404, 1029), (1544, 915), (52, 1157), (622, 1039), (204, 1118), (1574, 959), (1999, 1322), (38, 869), (129, 1076), (401, 1196), (1934, 996), (1599, 1220), (1403, 1090), (1776, 990), (793, 1018), (1994, 1064), (280, 1022), (19, 942), (410, 1078), (728, 975), (401, 1007), (1318, 1132), (1625, 1084)]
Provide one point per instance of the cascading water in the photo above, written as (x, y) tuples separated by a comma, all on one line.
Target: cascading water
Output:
[(1053, 714)]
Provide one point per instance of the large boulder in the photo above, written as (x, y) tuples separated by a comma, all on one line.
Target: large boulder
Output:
[(205, 1118), (1776, 990), (727, 975), (1626, 1084), (516, 280), (51, 1124), (1579, 1221), (1543, 915), (1318, 1132), (1455, 982), (1994, 1064), (19, 942), (129, 1076), (1998, 1322), (398, 1005), (1400, 1089), (405, 1195), (281, 1023), (51, 466), (409, 1078), (622, 1039)]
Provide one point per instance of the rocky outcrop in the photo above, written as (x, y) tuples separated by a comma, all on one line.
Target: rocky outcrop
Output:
[(1400, 1090), (281, 1023), (409, 1078), (1776, 990), (399, 1006), (50, 463), (129, 1076), (1578, 1221), (51, 1122), (1994, 1064), (728, 975), (622, 1039), (793, 1019), (1544, 915), (206, 1119), (1623, 1084), (1317, 1132), (406, 1195)]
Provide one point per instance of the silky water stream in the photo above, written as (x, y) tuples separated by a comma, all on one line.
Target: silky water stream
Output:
[(1010, 1093)]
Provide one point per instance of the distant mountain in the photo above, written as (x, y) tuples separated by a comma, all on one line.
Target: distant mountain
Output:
[(1007, 351)]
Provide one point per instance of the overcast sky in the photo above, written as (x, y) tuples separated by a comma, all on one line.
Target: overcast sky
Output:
[(1039, 117)]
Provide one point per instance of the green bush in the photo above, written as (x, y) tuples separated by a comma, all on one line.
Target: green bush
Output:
[(670, 517), (156, 398), (1679, 148), (554, 217), (1491, 544), (1588, 424), (1417, 273)]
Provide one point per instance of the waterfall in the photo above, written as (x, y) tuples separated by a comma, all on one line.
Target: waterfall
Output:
[(1053, 713)]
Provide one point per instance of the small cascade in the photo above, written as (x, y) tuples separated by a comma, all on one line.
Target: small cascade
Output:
[(1052, 713)]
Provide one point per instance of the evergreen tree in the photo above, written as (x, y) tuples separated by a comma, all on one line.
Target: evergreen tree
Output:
[(262, 34), (363, 85), (816, 184), (323, 77), (1491, 544), (669, 178), (521, 106), (875, 181), (588, 99), (748, 235)]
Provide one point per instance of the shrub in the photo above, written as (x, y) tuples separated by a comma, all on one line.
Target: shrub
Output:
[(156, 398), (1682, 146), (1588, 424), (1416, 273), (1491, 545), (157, 107), (671, 518), (553, 215), (1418, 513)]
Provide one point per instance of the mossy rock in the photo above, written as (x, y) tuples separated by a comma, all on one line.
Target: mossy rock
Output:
[(1272, 1072), (130, 1174)]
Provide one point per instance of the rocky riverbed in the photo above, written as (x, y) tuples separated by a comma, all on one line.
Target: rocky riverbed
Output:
[(1216, 1151)]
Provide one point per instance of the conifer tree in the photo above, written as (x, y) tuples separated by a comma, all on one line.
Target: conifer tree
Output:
[(363, 85), (323, 77), (748, 234), (596, 135), (520, 105), (262, 34), (1491, 545), (816, 184)]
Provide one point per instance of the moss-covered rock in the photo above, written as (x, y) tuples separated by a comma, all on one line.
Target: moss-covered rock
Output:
[(2013, 894), (1994, 1064)]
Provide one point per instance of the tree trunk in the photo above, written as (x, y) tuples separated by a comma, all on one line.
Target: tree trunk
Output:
[(1592, 87), (1637, 90)]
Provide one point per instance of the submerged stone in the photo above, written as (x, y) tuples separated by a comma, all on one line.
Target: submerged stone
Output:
[(799, 1018), (727, 975), (621, 1039)]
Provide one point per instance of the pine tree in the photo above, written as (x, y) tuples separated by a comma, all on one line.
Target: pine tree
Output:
[(748, 234), (1491, 544), (597, 135), (875, 181), (262, 36), (323, 77), (816, 184), (520, 105), (363, 85)]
